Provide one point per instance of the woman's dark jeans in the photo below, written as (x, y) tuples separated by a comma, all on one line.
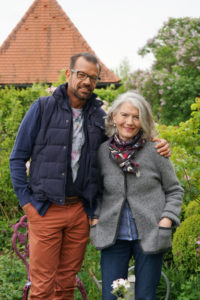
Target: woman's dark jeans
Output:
[(114, 265)]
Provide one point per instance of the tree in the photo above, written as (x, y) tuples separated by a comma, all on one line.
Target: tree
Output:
[(123, 70), (173, 82)]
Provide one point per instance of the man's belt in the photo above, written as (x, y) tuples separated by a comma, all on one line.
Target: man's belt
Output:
[(72, 199)]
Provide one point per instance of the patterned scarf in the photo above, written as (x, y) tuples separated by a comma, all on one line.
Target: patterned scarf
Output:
[(124, 152)]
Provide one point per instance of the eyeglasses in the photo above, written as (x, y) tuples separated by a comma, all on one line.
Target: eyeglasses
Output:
[(82, 76)]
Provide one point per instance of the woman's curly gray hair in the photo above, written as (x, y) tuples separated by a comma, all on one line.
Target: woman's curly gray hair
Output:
[(145, 114)]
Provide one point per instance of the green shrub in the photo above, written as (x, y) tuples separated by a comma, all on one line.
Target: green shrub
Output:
[(6, 232), (13, 105), (190, 289), (110, 93), (185, 247), (193, 208), (183, 286), (185, 146), (12, 277)]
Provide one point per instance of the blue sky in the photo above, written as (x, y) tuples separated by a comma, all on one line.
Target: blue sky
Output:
[(115, 29)]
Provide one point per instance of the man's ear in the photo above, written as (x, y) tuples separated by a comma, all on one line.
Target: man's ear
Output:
[(67, 74)]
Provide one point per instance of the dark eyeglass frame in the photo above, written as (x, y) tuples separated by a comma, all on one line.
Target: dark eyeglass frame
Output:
[(83, 76)]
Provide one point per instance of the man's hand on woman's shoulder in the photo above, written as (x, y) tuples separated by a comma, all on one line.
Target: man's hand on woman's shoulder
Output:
[(162, 147)]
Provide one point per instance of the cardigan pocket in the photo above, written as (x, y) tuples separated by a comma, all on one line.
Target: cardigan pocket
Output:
[(164, 238)]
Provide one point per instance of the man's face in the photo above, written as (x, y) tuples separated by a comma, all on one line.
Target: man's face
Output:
[(79, 84)]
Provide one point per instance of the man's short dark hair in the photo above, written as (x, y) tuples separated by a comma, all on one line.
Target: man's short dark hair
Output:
[(88, 56)]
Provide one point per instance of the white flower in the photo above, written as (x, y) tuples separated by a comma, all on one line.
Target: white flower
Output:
[(115, 284), (119, 282)]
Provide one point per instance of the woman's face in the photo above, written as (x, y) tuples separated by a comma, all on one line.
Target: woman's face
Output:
[(127, 121)]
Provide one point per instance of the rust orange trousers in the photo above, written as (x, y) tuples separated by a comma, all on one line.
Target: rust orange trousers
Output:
[(57, 245)]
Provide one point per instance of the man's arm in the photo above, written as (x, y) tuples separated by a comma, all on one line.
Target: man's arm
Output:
[(162, 147), (21, 152)]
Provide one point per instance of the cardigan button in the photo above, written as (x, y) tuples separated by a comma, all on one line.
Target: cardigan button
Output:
[(64, 147), (63, 174)]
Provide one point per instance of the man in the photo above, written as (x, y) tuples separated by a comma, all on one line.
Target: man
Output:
[(61, 134)]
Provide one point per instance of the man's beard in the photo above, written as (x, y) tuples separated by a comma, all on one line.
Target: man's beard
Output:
[(81, 96)]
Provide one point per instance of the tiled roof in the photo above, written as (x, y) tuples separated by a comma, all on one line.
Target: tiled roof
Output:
[(41, 45)]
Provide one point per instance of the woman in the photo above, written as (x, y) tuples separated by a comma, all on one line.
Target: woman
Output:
[(140, 199)]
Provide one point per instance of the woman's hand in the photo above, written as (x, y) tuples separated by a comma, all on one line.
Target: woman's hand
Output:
[(165, 222), (162, 147), (93, 222)]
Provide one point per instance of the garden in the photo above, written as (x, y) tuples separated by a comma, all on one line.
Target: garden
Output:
[(172, 86)]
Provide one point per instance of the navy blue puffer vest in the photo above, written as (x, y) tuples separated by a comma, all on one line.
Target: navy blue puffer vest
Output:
[(48, 171)]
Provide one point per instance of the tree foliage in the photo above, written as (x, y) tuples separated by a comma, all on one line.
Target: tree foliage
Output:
[(173, 82), (185, 145), (123, 71)]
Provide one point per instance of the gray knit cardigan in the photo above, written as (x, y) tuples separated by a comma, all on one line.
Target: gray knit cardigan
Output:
[(152, 196)]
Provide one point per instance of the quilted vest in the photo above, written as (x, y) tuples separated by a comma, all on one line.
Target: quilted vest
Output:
[(52, 149)]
